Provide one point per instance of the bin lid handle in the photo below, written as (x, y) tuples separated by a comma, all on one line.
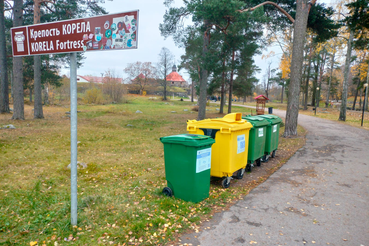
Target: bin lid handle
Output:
[(225, 130), (191, 128), (233, 116)]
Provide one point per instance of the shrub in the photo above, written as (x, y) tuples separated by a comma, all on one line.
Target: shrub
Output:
[(93, 95), (113, 88)]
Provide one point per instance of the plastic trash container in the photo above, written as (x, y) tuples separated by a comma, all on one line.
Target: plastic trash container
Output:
[(187, 160), (229, 153), (270, 110), (272, 137), (257, 140)]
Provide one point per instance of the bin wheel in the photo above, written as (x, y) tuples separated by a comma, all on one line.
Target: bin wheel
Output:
[(167, 191), (249, 167), (226, 183), (273, 153), (265, 158), (240, 174), (258, 162)]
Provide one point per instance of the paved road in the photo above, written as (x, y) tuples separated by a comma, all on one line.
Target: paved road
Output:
[(319, 197)]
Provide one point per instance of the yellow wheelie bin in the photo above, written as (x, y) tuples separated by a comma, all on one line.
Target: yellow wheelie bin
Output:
[(229, 152)]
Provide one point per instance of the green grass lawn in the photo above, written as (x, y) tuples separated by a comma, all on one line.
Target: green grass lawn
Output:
[(119, 193)]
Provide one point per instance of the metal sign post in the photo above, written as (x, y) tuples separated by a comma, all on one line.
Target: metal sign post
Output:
[(73, 137), (100, 33)]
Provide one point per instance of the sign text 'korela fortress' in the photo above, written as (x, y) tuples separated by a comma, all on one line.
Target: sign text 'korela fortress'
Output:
[(79, 27), (106, 32)]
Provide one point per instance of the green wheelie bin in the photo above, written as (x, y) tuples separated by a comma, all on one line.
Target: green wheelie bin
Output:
[(257, 140), (272, 137), (187, 160)]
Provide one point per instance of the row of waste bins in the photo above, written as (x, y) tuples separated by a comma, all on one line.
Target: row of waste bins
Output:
[(221, 147)]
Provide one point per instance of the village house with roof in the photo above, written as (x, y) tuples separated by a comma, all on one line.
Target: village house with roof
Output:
[(94, 79), (175, 79), (148, 84)]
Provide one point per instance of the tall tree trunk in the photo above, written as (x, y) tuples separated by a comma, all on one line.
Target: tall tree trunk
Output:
[(321, 71), (306, 94), (282, 93), (315, 83), (303, 97), (268, 81), (222, 97), (11, 75), (302, 86), (231, 87), (192, 89), (222, 90), (342, 116), (366, 91), (38, 112), (330, 79), (165, 88), (30, 94), (18, 107), (204, 75), (356, 92), (299, 36), (46, 95), (4, 87)]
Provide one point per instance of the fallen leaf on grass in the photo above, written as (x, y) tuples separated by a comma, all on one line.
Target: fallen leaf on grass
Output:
[(33, 243)]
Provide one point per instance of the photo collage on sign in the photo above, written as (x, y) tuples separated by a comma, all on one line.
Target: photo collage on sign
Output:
[(118, 33)]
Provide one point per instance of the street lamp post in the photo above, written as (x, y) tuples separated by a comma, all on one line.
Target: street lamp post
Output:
[(316, 99), (366, 91)]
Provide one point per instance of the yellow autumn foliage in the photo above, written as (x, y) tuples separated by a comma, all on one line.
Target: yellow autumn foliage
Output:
[(285, 66), (361, 68)]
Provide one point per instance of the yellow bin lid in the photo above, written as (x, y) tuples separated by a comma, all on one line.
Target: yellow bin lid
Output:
[(227, 124)]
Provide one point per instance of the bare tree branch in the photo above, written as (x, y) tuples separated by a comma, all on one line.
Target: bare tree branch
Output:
[(45, 4), (275, 5)]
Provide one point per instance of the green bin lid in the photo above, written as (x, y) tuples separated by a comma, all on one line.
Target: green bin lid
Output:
[(194, 140), (271, 118), (256, 121)]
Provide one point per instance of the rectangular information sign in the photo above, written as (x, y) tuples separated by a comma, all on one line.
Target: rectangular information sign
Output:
[(106, 32), (203, 160), (241, 143)]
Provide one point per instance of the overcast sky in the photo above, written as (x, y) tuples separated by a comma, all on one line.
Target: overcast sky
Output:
[(150, 42)]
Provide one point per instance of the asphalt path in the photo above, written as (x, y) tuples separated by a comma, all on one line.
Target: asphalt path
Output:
[(319, 197)]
